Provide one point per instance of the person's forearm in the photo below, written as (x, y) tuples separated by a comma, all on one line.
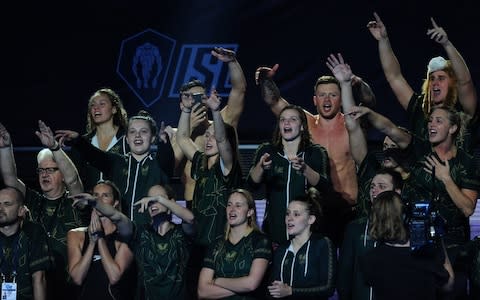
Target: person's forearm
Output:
[(183, 136), (271, 96), (459, 65), (208, 290), (237, 77), (390, 64), (224, 147), (243, 284), (256, 173), (387, 127), (39, 283), (179, 156), (236, 99), (112, 269), (312, 176), (464, 203), (184, 125), (183, 213), (211, 291), (69, 171), (123, 223), (219, 127), (347, 104), (467, 95), (9, 169), (96, 157), (79, 271)]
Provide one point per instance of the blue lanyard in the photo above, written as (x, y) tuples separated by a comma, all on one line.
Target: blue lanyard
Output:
[(14, 261)]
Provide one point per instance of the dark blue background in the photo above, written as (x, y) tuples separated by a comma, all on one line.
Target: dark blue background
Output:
[(57, 55)]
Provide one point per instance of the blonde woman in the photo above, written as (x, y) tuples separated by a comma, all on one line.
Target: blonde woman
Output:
[(235, 264)]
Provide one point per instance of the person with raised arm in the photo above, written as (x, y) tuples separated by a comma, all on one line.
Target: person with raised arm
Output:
[(50, 207), (448, 83), (199, 120), (135, 172), (327, 128), (216, 170)]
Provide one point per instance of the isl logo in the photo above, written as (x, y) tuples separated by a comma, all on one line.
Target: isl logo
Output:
[(145, 61)]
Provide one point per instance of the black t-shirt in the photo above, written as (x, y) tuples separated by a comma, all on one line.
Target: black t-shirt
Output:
[(397, 273)]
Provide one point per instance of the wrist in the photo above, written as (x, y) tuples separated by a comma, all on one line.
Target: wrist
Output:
[(56, 147), (186, 110)]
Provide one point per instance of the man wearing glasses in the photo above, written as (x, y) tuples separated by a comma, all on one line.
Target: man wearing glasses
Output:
[(58, 178)]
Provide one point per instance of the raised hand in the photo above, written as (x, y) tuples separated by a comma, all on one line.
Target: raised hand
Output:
[(339, 68), (198, 116), (442, 169), (437, 33), (266, 161), (223, 54), (45, 134), (163, 133), (5, 140), (263, 73), (144, 202), (83, 199), (298, 164), (213, 102), (377, 28), (95, 229)]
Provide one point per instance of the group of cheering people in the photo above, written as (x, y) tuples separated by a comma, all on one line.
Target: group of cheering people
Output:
[(100, 227)]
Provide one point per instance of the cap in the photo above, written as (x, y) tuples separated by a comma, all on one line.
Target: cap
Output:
[(436, 63)]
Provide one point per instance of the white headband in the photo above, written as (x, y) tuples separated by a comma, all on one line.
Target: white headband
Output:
[(436, 63)]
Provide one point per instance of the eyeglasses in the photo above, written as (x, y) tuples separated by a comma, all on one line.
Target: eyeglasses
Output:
[(46, 170)]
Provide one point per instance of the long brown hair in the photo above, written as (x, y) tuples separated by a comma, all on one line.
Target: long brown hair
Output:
[(452, 94), (120, 118), (387, 218), (305, 137)]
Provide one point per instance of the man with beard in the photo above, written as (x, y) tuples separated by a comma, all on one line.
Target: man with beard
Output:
[(58, 178), (24, 250), (327, 129)]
